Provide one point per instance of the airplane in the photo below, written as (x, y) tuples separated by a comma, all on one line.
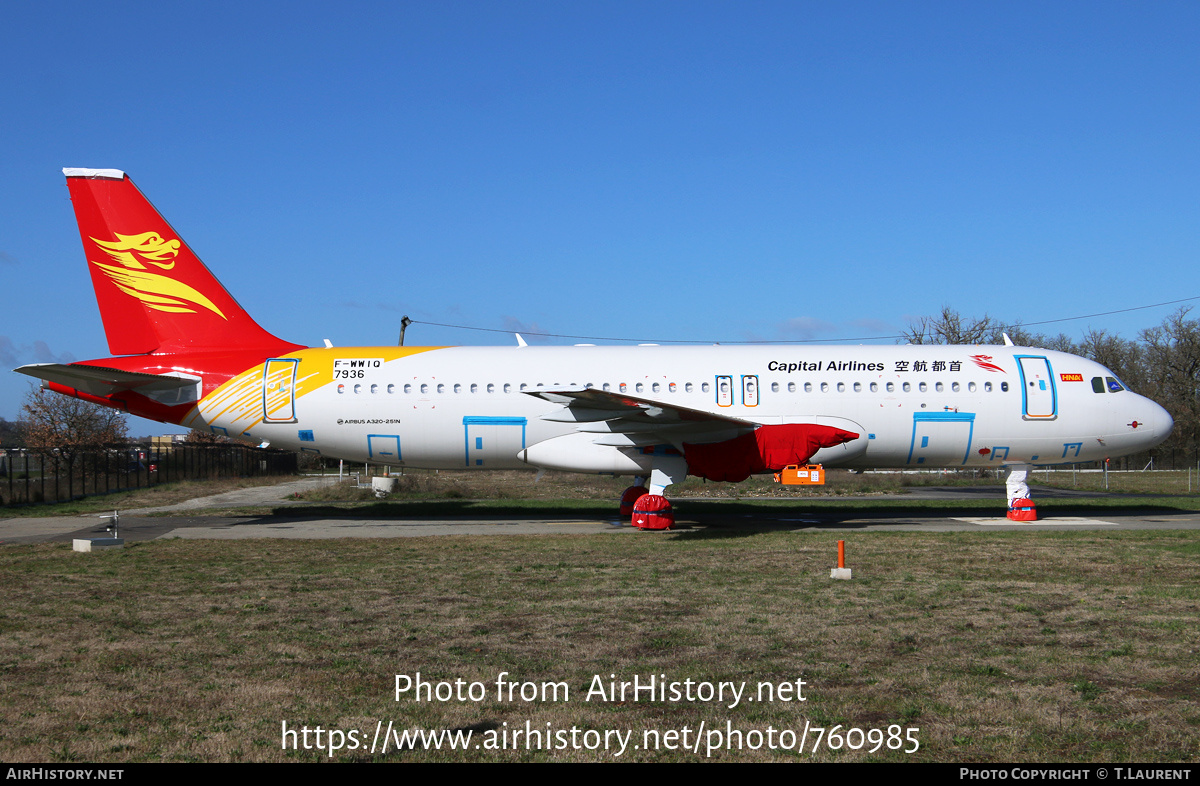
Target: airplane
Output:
[(184, 352)]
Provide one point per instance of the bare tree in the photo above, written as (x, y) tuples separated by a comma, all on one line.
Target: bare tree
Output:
[(1124, 357), (1172, 366), (10, 433), (205, 437), (67, 424), (952, 328)]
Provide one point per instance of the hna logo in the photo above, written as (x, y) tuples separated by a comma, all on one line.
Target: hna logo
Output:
[(133, 253)]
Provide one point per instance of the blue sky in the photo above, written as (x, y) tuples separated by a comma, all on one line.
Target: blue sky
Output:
[(650, 171)]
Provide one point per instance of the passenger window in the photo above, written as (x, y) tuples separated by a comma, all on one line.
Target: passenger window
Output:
[(671, 387), (874, 387), (939, 387), (457, 388), (954, 387), (1097, 384), (907, 387), (703, 387), (841, 387), (374, 389), (808, 387), (791, 387), (357, 389), (824, 387), (774, 387), (624, 387), (1003, 387), (408, 388), (655, 387), (524, 385), (441, 388), (639, 387), (687, 387), (391, 389), (507, 387), (424, 388), (891, 387), (922, 387), (858, 387), (341, 388), (474, 387), (605, 387), (987, 387)]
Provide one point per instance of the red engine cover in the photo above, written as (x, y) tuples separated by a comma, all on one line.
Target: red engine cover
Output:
[(767, 449)]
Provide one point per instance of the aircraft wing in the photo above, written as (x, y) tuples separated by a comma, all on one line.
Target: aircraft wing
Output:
[(621, 420), (170, 388)]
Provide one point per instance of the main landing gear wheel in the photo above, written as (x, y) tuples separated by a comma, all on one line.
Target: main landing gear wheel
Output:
[(630, 498)]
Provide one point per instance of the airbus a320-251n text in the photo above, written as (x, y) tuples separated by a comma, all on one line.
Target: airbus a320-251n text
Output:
[(186, 353)]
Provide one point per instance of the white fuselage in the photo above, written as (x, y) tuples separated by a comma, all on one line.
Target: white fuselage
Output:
[(470, 407)]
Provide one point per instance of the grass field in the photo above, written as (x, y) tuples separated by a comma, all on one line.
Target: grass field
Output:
[(1028, 646), (512, 486)]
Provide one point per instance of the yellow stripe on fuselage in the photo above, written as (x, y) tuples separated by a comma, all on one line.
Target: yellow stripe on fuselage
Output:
[(237, 405)]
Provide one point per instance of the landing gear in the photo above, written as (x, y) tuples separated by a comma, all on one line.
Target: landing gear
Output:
[(632, 494), (1020, 506), (652, 510)]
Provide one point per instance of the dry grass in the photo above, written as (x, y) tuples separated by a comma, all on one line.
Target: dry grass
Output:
[(1000, 647), (514, 485), (151, 496), (1131, 482)]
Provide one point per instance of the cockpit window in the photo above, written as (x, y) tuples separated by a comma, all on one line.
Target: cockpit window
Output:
[(1097, 384), (1114, 385)]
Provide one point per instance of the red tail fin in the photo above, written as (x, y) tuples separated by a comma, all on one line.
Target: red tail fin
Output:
[(155, 295)]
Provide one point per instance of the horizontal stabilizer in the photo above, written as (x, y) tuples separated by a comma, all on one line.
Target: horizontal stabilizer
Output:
[(170, 389)]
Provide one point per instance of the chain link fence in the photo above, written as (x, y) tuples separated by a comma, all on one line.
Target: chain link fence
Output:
[(30, 476)]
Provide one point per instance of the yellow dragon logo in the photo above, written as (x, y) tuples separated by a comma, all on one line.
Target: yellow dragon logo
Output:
[(153, 290)]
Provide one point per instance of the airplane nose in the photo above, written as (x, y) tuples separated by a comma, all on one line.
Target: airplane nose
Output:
[(1158, 421)]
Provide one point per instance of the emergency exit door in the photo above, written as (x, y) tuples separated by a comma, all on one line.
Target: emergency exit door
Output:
[(1038, 395)]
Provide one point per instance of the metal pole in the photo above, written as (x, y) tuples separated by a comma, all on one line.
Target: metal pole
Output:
[(404, 323)]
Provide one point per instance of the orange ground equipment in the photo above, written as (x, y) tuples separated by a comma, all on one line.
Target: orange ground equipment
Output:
[(796, 475)]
